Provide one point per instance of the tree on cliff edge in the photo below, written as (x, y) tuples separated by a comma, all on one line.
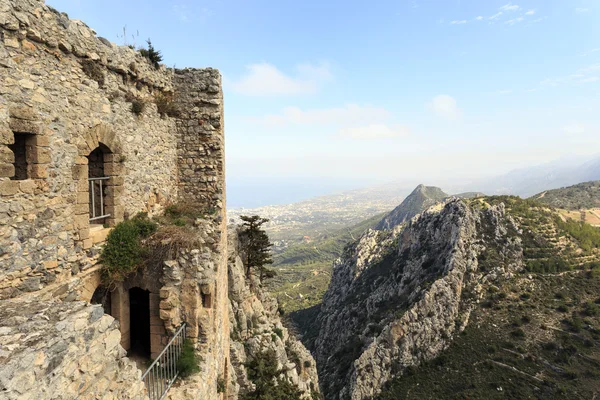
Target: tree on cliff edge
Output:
[(256, 246)]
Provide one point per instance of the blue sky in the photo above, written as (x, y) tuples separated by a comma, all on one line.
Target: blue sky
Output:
[(355, 92)]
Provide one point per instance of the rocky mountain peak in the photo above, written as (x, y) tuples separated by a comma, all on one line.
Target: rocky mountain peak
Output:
[(419, 200)]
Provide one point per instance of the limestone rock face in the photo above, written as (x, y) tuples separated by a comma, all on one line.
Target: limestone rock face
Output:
[(55, 350), (397, 298), (256, 327)]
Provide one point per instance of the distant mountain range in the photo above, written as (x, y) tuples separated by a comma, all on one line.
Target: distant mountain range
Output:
[(526, 182)]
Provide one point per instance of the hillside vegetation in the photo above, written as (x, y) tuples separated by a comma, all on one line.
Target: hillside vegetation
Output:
[(584, 195), (304, 270), (538, 335)]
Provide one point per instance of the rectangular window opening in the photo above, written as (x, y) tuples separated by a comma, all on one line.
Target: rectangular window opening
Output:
[(22, 149)]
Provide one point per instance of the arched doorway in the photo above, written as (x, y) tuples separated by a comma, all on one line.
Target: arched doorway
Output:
[(103, 297), (139, 317), (98, 181)]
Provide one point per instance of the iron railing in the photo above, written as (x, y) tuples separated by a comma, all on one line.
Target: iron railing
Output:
[(161, 374), (96, 214)]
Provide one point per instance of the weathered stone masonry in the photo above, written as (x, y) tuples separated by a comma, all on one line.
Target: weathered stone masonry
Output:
[(54, 113)]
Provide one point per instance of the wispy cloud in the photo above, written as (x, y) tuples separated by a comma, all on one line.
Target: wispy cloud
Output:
[(506, 91), (445, 106), (585, 75), (530, 12), (479, 18), (184, 14), (496, 16), (510, 7), (574, 129), (580, 10), (348, 115), (265, 79), (459, 22), (514, 21), (592, 51), (374, 131)]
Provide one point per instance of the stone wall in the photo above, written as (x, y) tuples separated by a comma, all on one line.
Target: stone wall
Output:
[(54, 350), (67, 113), (65, 93), (200, 144)]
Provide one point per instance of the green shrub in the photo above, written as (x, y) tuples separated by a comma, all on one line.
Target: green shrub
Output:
[(188, 363), (152, 54), (123, 252), (278, 332), (221, 385), (269, 384), (518, 333)]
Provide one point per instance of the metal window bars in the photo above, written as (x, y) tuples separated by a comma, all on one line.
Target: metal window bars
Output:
[(96, 214), (162, 373)]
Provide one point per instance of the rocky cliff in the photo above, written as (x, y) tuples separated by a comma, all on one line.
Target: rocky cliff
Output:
[(256, 328), (399, 297), (419, 200)]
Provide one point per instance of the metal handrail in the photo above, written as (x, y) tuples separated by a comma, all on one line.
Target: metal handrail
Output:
[(161, 374), (93, 216)]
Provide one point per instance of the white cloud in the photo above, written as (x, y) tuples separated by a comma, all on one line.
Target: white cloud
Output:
[(574, 129), (459, 22), (530, 12), (479, 18), (592, 51), (590, 79), (445, 106), (510, 7), (375, 131), (497, 15), (265, 79), (540, 19), (580, 10), (348, 115), (514, 21), (507, 91)]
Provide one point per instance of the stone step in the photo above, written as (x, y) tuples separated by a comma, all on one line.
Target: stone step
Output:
[(98, 233)]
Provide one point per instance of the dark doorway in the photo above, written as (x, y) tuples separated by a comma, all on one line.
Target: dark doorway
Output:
[(139, 318), (102, 296)]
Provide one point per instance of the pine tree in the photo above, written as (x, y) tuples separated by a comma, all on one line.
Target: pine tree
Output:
[(256, 245)]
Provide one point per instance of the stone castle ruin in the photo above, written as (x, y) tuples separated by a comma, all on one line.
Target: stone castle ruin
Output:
[(87, 140)]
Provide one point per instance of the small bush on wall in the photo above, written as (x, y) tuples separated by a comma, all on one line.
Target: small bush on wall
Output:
[(152, 54), (165, 105), (123, 252)]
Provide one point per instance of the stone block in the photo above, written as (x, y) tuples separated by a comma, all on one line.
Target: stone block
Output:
[(87, 244), (6, 155), (9, 188), (23, 112), (28, 186), (80, 172), (39, 155), (82, 160), (21, 125), (6, 135), (81, 221), (7, 170), (41, 141), (116, 181), (83, 198), (84, 234), (39, 171), (112, 169)]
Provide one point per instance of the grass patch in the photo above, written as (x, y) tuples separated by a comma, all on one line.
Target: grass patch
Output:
[(188, 363)]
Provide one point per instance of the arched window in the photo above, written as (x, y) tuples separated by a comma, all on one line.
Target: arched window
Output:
[(98, 185), (103, 297)]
